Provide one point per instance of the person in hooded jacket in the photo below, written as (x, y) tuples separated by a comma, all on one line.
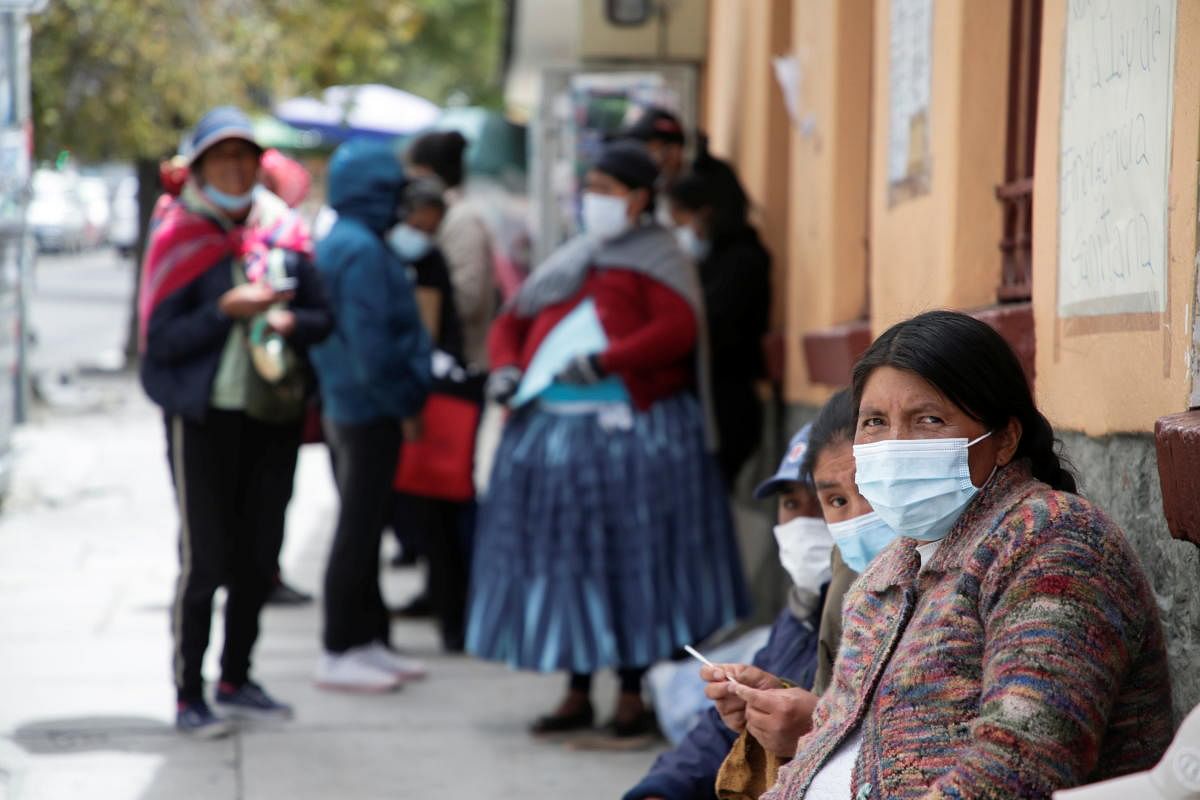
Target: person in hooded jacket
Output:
[(374, 372), (710, 210), (605, 539), (229, 302)]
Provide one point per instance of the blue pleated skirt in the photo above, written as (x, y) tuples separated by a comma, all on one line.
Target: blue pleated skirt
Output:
[(602, 548)]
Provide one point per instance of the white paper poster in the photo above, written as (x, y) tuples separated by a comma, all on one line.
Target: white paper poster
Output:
[(910, 84), (1114, 156)]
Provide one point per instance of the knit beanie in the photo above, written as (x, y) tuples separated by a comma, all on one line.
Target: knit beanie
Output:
[(629, 163)]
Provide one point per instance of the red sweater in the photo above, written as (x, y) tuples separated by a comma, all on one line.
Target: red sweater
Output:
[(651, 333)]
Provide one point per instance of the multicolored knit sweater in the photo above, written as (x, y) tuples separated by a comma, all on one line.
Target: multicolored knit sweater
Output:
[(1028, 656)]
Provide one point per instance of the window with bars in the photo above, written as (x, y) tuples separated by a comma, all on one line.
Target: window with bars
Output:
[(1016, 193)]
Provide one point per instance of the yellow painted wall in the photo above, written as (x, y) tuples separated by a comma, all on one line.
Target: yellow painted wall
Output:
[(941, 249), (1120, 372), (829, 177)]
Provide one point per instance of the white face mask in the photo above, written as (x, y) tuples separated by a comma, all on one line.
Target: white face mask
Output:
[(604, 216), (805, 547)]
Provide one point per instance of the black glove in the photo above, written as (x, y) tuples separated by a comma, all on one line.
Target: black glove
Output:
[(502, 384), (582, 371)]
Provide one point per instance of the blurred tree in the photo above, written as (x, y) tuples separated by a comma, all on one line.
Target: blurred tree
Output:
[(126, 78)]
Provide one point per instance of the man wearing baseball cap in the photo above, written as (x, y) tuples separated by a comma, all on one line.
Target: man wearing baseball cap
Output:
[(690, 769), (662, 134)]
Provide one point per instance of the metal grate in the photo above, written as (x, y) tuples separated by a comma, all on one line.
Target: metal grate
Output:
[(1016, 193)]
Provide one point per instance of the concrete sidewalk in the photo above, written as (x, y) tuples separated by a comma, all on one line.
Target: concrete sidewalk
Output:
[(87, 562)]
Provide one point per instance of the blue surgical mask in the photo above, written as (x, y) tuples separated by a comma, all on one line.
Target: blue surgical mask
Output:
[(861, 539), (408, 242), (919, 487), (691, 243), (228, 202)]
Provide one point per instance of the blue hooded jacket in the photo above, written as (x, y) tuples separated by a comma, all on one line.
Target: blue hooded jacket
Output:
[(376, 365)]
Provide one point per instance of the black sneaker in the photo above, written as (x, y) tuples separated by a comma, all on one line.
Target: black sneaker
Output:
[(284, 595), (564, 723), (197, 719), (251, 700)]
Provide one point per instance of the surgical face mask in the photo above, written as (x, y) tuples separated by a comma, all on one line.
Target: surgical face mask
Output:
[(604, 216), (408, 242), (861, 539), (919, 487), (691, 243), (228, 202), (804, 550)]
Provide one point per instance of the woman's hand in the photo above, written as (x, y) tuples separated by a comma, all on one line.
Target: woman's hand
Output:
[(282, 321), (721, 691), (502, 384), (242, 302), (777, 718)]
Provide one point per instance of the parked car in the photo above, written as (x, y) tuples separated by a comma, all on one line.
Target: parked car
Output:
[(97, 210), (56, 213), (123, 225)]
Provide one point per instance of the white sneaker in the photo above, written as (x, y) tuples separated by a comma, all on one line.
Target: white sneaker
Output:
[(352, 672), (380, 656)]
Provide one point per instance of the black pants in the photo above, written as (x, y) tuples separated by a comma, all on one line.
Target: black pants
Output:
[(364, 459), (449, 531), (233, 480)]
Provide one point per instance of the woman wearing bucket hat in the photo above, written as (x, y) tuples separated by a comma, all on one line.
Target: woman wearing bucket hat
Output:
[(606, 539), (229, 303)]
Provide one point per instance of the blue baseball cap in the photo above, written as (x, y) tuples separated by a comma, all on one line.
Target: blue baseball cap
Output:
[(789, 467), (223, 122)]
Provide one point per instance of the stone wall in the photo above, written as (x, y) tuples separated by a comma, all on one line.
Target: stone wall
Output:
[(1120, 474)]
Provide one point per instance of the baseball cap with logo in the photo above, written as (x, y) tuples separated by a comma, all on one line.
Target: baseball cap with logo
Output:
[(1175, 777), (789, 467)]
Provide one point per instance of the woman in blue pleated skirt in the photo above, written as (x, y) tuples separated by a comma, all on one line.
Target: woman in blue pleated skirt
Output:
[(606, 538)]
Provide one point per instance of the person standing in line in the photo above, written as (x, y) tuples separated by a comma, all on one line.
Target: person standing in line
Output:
[(374, 372), (606, 539), (228, 304), (662, 134), (710, 210), (464, 239), (445, 525)]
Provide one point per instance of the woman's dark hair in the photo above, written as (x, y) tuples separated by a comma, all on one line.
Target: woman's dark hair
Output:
[(442, 152), (972, 365), (835, 423), (713, 184)]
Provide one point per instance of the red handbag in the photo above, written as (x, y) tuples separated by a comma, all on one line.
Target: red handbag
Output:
[(439, 464)]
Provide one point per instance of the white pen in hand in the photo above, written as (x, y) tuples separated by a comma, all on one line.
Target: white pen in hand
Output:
[(694, 653)]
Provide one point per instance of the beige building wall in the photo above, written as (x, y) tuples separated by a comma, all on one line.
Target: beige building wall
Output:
[(829, 178), (941, 249), (1116, 373)]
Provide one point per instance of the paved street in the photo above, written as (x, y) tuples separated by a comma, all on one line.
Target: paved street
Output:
[(86, 568)]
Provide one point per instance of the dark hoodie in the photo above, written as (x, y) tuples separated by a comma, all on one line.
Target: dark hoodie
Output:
[(376, 365)]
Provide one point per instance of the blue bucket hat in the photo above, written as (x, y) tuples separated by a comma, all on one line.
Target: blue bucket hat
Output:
[(223, 122), (789, 467)]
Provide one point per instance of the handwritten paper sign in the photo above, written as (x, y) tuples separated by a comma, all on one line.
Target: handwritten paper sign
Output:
[(1114, 156), (910, 81)]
